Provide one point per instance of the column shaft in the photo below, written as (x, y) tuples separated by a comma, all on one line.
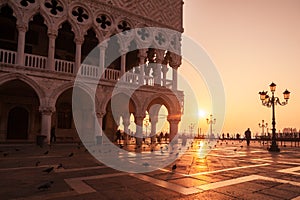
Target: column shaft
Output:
[(51, 52), (21, 45)]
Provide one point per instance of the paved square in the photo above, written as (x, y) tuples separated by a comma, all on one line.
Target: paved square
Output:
[(230, 171)]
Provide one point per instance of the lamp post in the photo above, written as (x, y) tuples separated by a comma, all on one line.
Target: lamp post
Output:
[(211, 121), (263, 126), (271, 102), (191, 127)]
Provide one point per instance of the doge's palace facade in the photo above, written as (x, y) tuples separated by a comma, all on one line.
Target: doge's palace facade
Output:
[(45, 44)]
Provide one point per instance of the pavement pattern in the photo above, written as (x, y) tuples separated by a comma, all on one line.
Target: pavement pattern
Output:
[(230, 171)]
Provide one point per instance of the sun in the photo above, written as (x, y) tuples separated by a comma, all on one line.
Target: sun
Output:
[(201, 113)]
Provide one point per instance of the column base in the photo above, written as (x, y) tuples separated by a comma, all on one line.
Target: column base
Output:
[(274, 148)]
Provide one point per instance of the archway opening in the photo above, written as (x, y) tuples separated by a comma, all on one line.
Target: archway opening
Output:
[(64, 44), (90, 54), (9, 34), (36, 37), (17, 125), (19, 104)]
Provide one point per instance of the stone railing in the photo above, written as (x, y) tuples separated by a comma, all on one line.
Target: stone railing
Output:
[(68, 67), (35, 61), (8, 57), (64, 66)]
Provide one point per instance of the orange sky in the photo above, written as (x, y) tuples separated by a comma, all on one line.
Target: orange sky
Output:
[(252, 43)]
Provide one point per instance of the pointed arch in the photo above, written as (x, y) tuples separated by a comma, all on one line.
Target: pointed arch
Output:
[(35, 86)]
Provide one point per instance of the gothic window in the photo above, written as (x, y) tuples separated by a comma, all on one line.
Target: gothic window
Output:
[(103, 21), (143, 33), (54, 7), (124, 26), (64, 116), (25, 3), (80, 14), (160, 38)]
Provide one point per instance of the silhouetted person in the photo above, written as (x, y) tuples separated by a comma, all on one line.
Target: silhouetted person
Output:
[(248, 136), (52, 135)]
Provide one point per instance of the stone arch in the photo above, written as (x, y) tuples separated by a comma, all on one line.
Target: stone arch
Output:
[(17, 12), (46, 17), (64, 87), (172, 106), (35, 86), (74, 26)]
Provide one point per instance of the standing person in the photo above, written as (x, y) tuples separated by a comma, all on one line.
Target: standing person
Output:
[(52, 135), (248, 136)]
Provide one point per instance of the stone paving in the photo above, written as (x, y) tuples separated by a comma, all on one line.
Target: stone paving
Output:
[(230, 171)]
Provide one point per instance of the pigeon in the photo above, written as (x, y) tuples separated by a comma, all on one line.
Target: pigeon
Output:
[(48, 170), (242, 146), (45, 186), (174, 167), (37, 163), (5, 154), (235, 150), (17, 149), (145, 164), (46, 153), (71, 154), (59, 166)]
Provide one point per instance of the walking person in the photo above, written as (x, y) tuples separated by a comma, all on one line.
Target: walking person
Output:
[(248, 136), (52, 135)]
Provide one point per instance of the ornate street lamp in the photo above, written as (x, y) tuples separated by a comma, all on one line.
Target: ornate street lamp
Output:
[(263, 126), (271, 102), (211, 121)]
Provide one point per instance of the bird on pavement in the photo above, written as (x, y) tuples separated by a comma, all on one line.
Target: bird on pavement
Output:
[(37, 163), (71, 154), (46, 152), (45, 186), (48, 170), (59, 166), (174, 167)]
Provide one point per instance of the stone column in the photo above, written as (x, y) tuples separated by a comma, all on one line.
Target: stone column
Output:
[(154, 120), (157, 68), (46, 122), (164, 71), (142, 56), (175, 62), (21, 44), (139, 130), (173, 127), (51, 51), (126, 123), (78, 55), (98, 128), (102, 47), (174, 79), (123, 52)]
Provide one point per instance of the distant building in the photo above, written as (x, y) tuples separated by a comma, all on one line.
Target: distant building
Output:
[(42, 46)]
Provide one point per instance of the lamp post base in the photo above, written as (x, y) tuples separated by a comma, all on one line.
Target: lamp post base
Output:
[(274, 148)]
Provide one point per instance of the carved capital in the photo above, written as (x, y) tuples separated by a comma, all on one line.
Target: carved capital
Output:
[(46, 110)]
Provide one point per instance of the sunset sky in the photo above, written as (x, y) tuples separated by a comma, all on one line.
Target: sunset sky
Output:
[(252, 43)]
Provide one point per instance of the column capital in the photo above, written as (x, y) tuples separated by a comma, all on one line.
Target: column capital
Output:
[(46, 110), (159, 55), (142, 54), (175, 60), (174, 119), (79, 40), (22, 27), (103, 45), (52, 34), (100, 114)]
